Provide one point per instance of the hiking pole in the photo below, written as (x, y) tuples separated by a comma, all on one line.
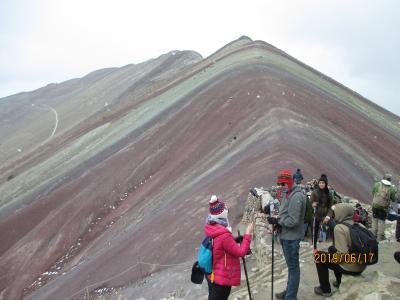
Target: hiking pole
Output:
[(245, 272), (272, 263), (314, 239)]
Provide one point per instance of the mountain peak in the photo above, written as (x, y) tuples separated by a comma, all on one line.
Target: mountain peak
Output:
[(98, 171)]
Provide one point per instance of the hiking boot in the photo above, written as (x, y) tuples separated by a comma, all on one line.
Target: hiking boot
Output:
[(280, 295), (336, 284), (318, 291)]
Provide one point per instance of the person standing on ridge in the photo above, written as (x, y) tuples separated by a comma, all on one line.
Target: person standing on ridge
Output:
[(322, 202), (335, 197), (383, 193), (297, 177), (291, 232), (225, 251), (285, 184), (308, 216)]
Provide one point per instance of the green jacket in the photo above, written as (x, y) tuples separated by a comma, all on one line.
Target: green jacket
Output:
[(377, 201), (309, 211), (336, 198)]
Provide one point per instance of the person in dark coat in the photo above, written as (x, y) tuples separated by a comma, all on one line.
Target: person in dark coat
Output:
[(322, 202)]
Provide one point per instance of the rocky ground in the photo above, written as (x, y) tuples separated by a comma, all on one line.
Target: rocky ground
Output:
[(380, 281)]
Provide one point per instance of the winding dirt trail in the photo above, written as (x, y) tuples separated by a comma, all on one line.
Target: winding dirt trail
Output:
[(47, 107)]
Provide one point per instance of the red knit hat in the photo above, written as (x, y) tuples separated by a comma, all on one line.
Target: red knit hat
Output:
[(217, 208), (285, 176)]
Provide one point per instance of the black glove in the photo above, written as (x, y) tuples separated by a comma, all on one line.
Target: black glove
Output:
[(249, 252), (239, 239), (332, 249), (272, 220), (267, 209), (278, 229)]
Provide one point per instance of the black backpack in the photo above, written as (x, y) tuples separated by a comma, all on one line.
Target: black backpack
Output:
[(363, 243)]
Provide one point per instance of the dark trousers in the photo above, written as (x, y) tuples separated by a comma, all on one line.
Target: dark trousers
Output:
[(218, 292), (379, 213), (323, 275), (316, 231)]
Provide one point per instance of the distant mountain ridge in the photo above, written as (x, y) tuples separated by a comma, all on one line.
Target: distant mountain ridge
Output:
[(140, 148)]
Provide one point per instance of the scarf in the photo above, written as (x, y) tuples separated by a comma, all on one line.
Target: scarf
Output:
[(221, 221), (283, 193)]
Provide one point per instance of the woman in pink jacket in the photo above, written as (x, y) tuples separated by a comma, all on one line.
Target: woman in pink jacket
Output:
[(226, 251)]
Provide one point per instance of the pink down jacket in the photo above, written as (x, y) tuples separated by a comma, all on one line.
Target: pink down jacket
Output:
[(226, 254)]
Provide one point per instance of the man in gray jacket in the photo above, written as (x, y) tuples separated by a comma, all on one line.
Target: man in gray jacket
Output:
[(291, 223)]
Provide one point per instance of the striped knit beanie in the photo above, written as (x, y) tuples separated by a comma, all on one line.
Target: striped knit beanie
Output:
[(217, 208)]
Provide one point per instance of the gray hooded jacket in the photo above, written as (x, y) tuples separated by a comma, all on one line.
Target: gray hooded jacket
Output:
[(291, 215)]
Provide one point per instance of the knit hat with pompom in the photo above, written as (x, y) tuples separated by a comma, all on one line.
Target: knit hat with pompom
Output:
[(218, 208)]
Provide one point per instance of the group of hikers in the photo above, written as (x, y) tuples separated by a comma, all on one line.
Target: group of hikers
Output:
[(328, 214)]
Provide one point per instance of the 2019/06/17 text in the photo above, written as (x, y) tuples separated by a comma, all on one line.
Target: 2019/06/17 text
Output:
[(339, 258)]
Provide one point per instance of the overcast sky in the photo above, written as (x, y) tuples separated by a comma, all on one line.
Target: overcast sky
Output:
[(44, 41)]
